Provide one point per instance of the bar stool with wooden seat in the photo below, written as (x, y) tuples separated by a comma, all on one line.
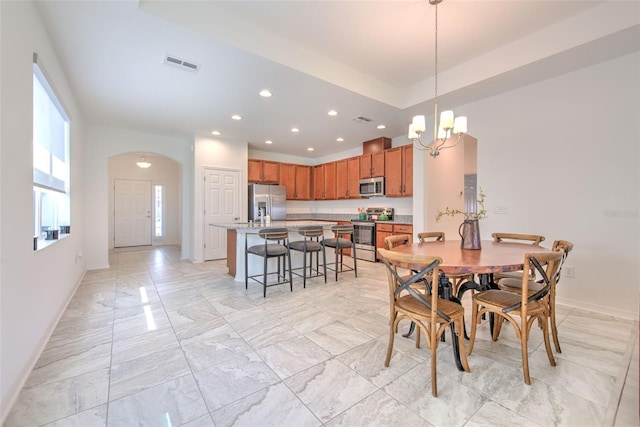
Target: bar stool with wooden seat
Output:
[(313, 237), (342, 240), (275, 246)]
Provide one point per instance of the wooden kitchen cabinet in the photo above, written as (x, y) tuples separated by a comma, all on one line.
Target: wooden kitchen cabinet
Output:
[(324, 181), (372, 165), (399, 171), (348, 178), (263, 171), (386, 230), (297, 180)]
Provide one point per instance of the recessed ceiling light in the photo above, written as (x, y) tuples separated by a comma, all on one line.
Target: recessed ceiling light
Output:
[(310, 149), (215, 132), (340, 139), (268, 141), (295, 130), (382, 127), (266, 93), (332, 113), (236, 117)]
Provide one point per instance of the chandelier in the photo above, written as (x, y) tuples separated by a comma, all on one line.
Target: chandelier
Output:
[(143, 162), (449, 125)]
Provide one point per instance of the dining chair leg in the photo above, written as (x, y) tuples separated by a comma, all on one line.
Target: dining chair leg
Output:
[(554, 328), (524, 338), (433, 339), (474, 325), (393, 325)]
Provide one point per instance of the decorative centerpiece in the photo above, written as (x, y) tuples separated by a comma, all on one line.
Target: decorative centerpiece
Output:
[(469, 230)]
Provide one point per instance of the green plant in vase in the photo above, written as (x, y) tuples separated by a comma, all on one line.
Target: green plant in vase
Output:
[(481, 211), (469, 229)]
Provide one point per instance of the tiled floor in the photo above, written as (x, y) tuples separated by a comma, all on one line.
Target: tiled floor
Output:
[(155, 341)]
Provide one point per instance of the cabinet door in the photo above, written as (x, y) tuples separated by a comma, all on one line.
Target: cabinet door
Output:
[(393, 177), (330, 190), (407, 170), (353, 167), (318, 182), (288, 179), (303, 182), (365, 166), (270, 171), (342, 176), (254, 171), (377, 164)]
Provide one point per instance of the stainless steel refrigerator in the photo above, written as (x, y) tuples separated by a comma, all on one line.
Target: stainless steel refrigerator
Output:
[(267, 200)]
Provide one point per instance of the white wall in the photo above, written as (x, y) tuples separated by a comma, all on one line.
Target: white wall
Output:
[(211, 152), (103, 143), (163, 171), (563, 157), (35, 286)]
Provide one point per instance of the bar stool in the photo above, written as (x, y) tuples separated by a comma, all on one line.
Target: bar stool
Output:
[(278, 250), (343, 239), (313, 237)]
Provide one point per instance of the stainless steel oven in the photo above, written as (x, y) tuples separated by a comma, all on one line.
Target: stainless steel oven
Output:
[(364, 235), (364, 232)]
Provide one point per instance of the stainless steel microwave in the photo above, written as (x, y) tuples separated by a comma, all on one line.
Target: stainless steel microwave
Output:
[(372, 187)]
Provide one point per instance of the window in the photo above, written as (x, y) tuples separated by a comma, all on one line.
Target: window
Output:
[(158, 204), (51, 127)]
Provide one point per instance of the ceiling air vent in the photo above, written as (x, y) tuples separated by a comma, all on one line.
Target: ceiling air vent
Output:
[(177, 62), (362, 119)]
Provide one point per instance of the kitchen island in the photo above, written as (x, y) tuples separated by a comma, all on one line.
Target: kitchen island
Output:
[(239, 233)]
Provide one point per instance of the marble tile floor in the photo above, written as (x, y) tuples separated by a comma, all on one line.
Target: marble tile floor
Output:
[(156, 341)]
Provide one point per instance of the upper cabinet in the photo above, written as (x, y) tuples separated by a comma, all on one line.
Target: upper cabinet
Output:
[(297, 180), (372, 162), (324, 181), (263, 171), (348, 178), (399, 171)]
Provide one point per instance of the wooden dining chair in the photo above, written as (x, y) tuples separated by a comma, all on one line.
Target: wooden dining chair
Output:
[(400, 239), (521, 310), (456, 279), (515, 285), (426, 236), (430, 313), (533, 239)]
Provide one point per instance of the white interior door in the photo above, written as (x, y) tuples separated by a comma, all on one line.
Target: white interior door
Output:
[(221, 206), (132, 213)]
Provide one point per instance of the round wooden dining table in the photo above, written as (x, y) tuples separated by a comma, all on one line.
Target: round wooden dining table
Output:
[(494, 257)]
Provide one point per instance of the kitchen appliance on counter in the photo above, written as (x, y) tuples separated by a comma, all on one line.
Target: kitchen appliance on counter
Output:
[(267, 201), (365, 232)]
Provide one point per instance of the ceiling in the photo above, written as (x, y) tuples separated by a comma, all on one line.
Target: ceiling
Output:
[(372, 59)]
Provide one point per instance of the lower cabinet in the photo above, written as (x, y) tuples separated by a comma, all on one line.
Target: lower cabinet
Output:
[(385, 230)]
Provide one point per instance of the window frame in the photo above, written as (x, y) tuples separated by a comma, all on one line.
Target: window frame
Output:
[(51, 188)]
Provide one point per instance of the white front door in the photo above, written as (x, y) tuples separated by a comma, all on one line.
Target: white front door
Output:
[(221, 206), (132, 213)]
